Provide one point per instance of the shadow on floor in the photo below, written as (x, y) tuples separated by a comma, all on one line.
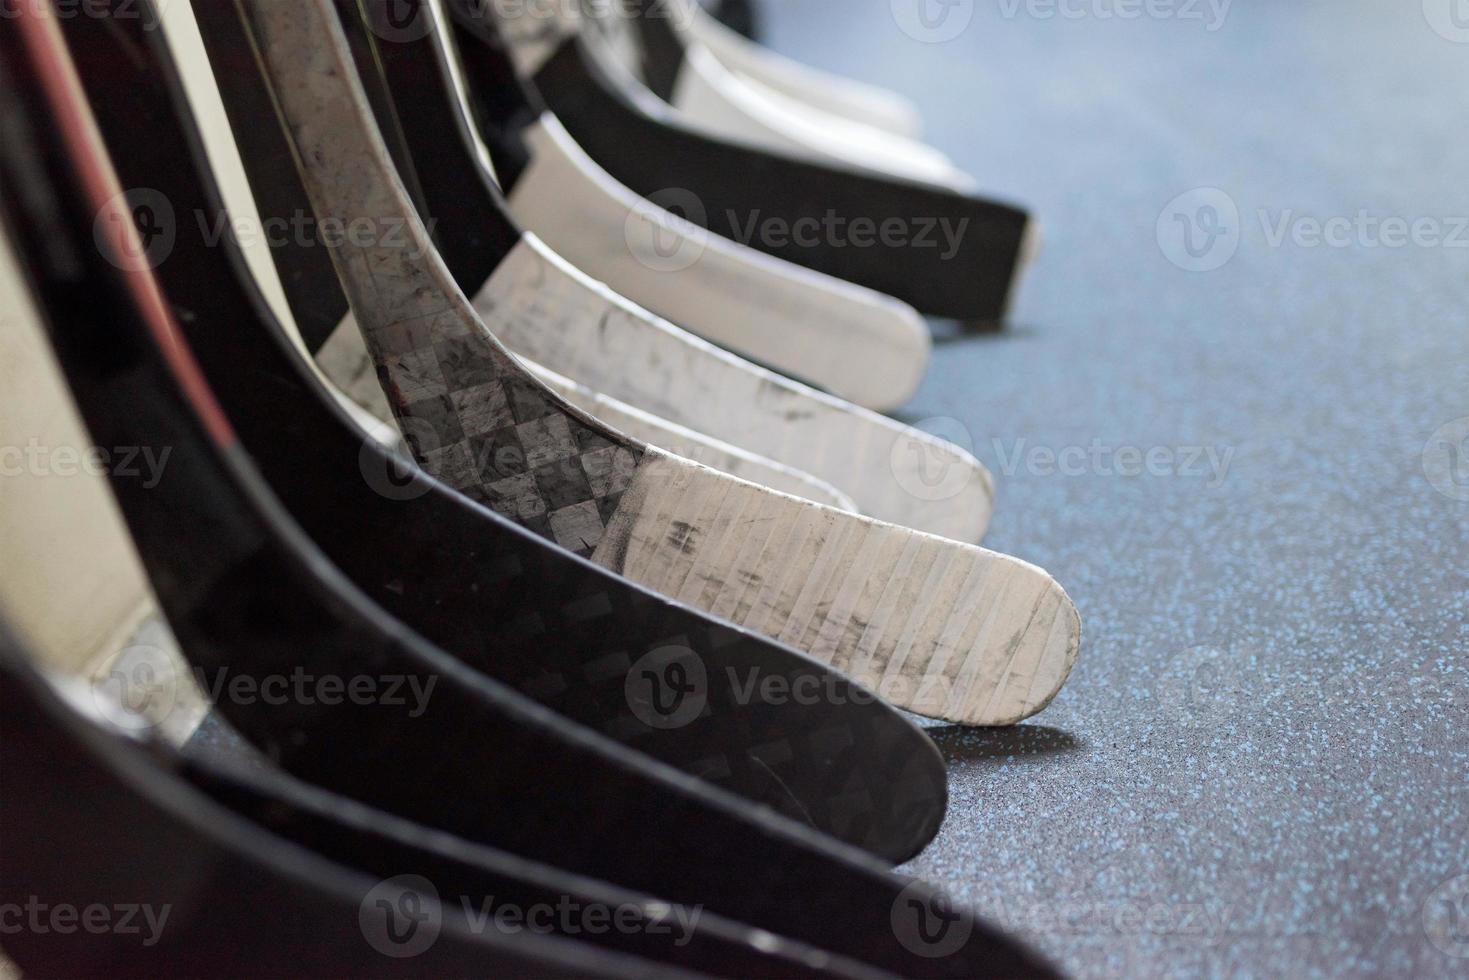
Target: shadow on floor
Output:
[(1023, 744), (948, 332)]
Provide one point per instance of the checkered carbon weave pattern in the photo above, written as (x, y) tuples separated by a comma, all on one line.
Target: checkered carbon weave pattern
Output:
[(497, 437), (472, 416)]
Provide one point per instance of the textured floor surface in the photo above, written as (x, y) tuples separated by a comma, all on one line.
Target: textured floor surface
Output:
[(1261, 764)]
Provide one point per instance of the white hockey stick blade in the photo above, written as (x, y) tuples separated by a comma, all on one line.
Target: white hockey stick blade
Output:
[(716, 100), (946, 630), (855, 342), (834, 94)]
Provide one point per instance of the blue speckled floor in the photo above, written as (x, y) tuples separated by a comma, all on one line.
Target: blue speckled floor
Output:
[(1261, 765)]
